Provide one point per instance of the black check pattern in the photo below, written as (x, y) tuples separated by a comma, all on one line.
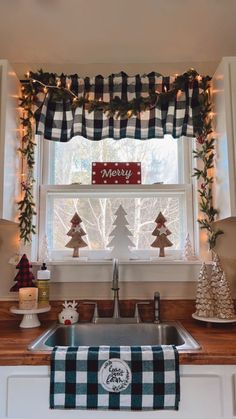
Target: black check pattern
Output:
[(58, 121), (76, 381)]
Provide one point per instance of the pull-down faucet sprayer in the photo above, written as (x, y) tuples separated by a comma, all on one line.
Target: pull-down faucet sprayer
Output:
[(115, 288)]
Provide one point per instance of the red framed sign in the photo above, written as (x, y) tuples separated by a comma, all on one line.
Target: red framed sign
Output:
[(116, 173)]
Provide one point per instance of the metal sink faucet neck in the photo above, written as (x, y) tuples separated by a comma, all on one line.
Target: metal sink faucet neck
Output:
[(115, 288)]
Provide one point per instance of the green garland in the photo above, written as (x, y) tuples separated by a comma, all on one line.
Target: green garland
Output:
[(41, 82), (26, 205), (205, 152)]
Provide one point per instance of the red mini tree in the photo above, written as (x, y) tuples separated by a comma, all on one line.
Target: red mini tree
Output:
[(161, 232), (24, 277), (76, 232)]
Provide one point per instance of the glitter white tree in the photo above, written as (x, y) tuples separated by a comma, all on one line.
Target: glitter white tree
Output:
[(224, 306), (204, 296), (120, 241)]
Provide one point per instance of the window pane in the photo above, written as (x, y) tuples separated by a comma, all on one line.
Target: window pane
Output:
[(72, 160), (98, 216)]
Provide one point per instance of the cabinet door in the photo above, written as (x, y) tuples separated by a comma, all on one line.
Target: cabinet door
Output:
[(224, 107), (9, 141), (202, 396)]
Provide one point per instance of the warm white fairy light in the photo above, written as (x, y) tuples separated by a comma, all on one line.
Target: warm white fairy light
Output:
[(48, 86)]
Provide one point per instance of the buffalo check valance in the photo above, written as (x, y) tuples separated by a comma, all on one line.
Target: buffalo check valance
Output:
[(58, 120)]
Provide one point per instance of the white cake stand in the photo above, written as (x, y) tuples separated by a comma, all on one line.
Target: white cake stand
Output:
[(213, 319), (30, 317)]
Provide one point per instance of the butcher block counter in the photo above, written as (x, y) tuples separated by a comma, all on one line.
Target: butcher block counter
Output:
[(218, 344)]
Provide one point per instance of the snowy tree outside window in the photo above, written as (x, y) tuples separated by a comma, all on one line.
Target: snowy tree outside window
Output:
[(70, 163)]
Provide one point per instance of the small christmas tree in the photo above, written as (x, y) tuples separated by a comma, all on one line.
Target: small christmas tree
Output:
[(76, 232), (24, 277), (43, 250), (120, 242), (188, 253), (224, 306), (161, 232), (204, 297)]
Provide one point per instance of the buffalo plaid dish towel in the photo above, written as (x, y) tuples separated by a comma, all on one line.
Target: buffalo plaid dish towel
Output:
[(118, 378)]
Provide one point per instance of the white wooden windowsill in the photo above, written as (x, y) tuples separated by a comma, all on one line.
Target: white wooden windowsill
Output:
[(88, 262)]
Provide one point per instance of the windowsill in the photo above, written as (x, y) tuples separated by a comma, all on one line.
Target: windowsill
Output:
[(142, 271), (121, 262)]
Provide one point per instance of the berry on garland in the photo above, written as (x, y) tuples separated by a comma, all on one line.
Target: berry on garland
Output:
[(24, 277), (161, 232)]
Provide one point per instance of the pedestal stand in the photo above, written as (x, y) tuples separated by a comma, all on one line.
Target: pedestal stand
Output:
[(30, 317)]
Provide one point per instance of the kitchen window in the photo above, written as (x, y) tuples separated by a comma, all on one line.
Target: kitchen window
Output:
[(66, 188)]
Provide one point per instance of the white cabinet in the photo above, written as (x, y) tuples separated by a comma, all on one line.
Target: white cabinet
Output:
[(224, 107), (207, 392), (9, 141)]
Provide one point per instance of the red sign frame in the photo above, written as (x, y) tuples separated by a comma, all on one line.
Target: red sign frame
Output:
[(110, 173)]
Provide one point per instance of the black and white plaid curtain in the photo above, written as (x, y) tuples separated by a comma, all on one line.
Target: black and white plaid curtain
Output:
[(57, 120)]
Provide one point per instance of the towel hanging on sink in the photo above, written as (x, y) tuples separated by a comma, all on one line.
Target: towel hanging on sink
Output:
[(118, 378)]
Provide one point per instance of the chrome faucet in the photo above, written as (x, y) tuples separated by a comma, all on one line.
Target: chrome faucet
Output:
[(115, 288), (157, 307)]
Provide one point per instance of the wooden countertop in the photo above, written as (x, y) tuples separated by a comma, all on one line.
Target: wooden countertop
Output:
[(218, 344)]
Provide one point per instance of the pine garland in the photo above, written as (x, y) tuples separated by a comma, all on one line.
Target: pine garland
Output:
[(41, 82), (205, 153), (26, 205)]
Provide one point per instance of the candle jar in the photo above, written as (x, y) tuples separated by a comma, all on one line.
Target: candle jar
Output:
[(28, 298)]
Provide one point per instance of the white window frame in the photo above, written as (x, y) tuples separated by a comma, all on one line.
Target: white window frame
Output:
[(186, 187)]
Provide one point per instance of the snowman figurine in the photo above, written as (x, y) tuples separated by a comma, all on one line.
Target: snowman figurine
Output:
[(69, 314)]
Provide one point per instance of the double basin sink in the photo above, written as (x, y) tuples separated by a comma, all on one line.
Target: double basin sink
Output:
[(115, 332)]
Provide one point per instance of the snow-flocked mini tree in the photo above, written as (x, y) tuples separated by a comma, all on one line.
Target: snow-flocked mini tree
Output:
[(44, 250), (76, 232), (188, 253), (120, 241), (204, 296), (24, 277), (161, 232)]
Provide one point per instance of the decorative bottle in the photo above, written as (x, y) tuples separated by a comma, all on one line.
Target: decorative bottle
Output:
[(43, 277)]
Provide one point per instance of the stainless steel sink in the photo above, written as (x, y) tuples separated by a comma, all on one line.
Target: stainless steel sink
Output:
[(114, 333)]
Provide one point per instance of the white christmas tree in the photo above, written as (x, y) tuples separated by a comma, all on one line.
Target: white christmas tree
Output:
[(204, 296), (120, 241), (188, 253), (224, 306), (44, 250)]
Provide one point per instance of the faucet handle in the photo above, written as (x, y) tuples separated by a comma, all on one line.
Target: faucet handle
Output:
[(136, 312)]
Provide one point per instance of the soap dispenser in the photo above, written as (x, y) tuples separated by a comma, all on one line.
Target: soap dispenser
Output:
[(43, 277)]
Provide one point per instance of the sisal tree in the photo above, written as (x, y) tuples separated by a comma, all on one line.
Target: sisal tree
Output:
[(161, 233), (120, 241), (76, 232), (24, 277)]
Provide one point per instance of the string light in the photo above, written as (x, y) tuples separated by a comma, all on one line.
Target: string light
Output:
[(57, 86), (119, 107)]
